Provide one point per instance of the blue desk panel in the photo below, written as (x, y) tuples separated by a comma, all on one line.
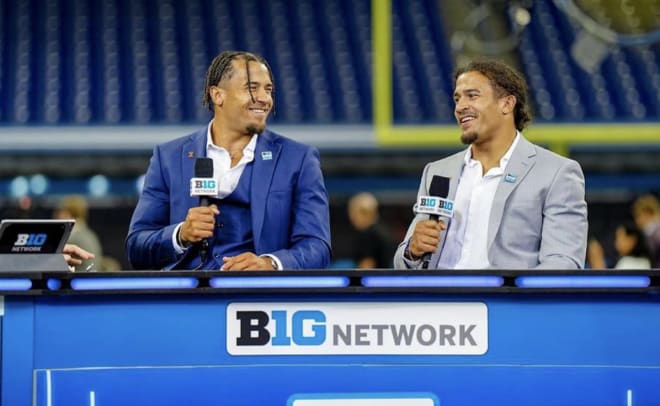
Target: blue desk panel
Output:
[(568, 349), (259, 385)]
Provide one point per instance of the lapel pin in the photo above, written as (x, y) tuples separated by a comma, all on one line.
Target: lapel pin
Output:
[(510, 178), (266, 155), (191, 154)]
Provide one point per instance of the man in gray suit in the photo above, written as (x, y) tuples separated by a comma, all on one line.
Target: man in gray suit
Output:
[(516, 205)]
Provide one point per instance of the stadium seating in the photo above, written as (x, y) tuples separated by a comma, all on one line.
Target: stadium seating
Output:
[(625, 88), (143, 62)]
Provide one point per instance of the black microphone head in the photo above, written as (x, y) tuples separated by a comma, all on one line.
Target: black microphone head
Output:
[(203, 168), (439, 186)]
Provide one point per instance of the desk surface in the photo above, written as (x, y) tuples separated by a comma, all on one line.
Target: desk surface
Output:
[(330, 281)]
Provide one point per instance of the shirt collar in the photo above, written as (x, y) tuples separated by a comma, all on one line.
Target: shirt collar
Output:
[(503, 161), (248, 151)]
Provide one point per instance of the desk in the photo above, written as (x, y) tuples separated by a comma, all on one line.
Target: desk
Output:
[(357, 338)]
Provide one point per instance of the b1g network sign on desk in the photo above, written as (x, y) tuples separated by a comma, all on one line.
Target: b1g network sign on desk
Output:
[(357, 328)]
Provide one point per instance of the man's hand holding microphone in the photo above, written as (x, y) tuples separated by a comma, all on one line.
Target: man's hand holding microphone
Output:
[(198, 225), (425, 239)]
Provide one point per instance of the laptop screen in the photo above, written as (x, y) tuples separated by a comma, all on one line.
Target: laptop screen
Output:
[(34, 236)]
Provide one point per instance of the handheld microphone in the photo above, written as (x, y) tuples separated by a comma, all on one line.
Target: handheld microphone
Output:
[(204, 186), (436, 205)]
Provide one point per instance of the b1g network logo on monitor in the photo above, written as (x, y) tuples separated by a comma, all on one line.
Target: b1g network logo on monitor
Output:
[(422, 328), (29, 242)]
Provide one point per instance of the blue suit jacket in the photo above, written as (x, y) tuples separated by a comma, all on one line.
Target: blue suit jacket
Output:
[(288, 203)]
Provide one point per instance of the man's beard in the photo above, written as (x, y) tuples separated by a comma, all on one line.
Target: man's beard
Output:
[(255, 128), (469, 138)]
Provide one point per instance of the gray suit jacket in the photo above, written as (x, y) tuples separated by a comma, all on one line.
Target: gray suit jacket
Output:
[(539, 215)]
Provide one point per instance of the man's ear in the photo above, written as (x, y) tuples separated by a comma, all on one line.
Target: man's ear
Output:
[(508, 104), (217, 95)]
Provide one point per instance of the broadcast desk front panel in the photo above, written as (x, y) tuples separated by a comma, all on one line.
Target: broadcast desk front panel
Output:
[(352, 346)]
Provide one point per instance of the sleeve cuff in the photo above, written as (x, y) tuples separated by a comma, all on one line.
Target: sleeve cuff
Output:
[(175, 240), (410, 263)]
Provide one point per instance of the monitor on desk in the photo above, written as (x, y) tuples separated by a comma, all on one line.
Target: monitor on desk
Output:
[(30, 236), (33, 245)]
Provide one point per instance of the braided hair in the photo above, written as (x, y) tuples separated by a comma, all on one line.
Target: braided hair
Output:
[(221, 69)]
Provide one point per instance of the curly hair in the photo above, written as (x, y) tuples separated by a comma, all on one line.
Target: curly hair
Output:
[(221, 69), (506, 81)]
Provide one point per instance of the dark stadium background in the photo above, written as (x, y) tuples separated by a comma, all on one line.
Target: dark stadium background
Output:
[(88, 87)]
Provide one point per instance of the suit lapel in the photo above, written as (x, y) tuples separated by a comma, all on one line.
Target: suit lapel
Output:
[(266, 154), (193, 148), (455, 170), (522, 160)]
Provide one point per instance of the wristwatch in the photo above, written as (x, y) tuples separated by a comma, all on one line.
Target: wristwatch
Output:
[(273, 263)]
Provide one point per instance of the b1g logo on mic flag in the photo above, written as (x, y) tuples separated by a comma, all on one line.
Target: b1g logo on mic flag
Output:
[(357, 328), (435, 205), (203, 187)]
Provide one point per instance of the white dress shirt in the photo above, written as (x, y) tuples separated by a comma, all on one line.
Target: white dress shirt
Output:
[(226, 175), (466, 245)]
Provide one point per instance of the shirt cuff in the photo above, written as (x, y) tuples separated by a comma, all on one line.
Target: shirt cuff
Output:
[(276, 261), (175, 241)]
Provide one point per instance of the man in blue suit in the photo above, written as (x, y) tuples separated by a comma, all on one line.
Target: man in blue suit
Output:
[(271, 211)]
